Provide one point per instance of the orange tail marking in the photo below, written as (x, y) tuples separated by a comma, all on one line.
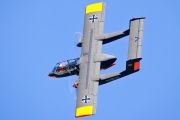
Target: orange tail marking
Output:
[(136, 65)]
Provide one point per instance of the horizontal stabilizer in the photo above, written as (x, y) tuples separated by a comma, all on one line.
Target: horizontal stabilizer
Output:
[(135, 38)]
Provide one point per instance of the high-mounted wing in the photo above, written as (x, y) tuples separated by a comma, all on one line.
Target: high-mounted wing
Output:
[(91, 56), (89, 60)]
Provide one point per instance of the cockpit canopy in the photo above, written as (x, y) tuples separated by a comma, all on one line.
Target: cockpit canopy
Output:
[(63, 66)]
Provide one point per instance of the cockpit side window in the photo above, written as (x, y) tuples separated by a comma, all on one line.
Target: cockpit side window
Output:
[(65, 66), (60, 67), (72, 61), (55, 68)]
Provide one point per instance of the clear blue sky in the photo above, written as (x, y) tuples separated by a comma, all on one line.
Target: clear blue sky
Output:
[(36, 34)]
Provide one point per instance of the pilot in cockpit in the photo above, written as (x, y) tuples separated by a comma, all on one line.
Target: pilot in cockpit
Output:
[(61, 67), (63, 64)]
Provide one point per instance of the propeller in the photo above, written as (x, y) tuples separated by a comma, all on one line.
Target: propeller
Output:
[(72, 79), (78, 38), (72, 89)]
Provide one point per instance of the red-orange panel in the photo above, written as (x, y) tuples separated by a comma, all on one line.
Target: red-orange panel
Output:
[(136, 65)]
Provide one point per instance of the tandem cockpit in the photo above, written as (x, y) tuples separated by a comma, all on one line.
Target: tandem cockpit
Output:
[(65, 68)]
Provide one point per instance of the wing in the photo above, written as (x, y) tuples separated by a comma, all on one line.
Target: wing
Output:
[(91, 48)]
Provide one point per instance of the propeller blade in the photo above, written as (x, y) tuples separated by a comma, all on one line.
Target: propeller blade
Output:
[(72, 89)]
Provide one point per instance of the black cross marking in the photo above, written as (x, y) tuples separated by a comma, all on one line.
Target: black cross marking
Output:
[(85, 99), (93, 18)]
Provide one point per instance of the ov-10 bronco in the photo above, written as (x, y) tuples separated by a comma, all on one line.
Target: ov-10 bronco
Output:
[(92, 60)]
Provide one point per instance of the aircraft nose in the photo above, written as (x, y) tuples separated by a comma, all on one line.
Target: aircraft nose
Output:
[(51, 74)]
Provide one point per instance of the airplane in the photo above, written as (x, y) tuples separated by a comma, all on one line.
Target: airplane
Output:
[(92, 60)]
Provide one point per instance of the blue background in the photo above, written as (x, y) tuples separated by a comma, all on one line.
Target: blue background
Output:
[(36, 34)]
